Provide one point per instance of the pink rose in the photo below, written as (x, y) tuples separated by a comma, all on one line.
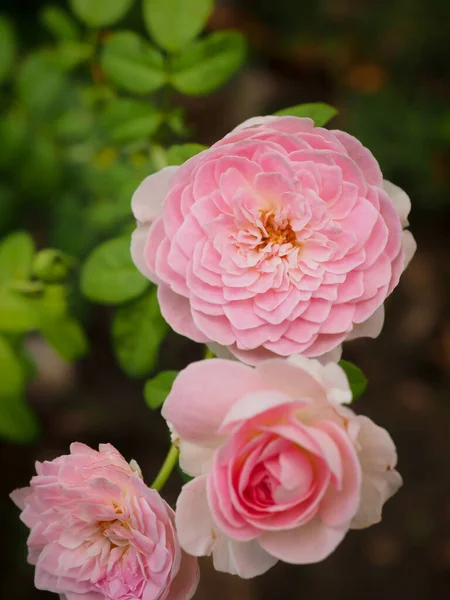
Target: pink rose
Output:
[(282, 470), (282, 238), (99, 533)]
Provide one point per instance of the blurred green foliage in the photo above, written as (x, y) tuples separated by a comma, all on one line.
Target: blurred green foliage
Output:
[(83, 120), (387, 67)]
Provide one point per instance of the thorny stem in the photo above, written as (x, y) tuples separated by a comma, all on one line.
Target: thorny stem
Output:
[(166, 469)]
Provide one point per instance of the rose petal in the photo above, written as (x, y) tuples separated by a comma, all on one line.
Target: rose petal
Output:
[(195, 460), (409, 247), (148, 199), (195, 526), (380, 481), (175, 309), (309, 543), (399, 199), (138, 241), (370, 328), (199, 399), (252, 404), (185, 584)]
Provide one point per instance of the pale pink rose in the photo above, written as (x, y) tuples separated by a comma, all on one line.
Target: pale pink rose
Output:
[(99, 533), (282, 469), (282, 238)]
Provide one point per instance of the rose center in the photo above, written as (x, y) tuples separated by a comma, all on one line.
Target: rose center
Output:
[(276, 232), (114, 532), (263, 492)]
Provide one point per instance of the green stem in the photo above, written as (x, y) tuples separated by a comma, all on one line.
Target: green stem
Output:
[(166, 469)]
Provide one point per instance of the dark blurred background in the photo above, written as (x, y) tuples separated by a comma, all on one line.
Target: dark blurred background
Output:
[(386, 66)]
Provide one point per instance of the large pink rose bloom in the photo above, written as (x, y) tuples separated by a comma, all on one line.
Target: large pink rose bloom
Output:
[(280, 239), (99, 533), (282, 470)]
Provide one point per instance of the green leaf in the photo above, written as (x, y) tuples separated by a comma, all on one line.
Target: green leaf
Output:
[(28, 364), (66, 336), (174, 23), (127, 120), (13, 134), (132, 63), (112, 186), (18, 422), (179, 153), (109, 275), (100, 13), (207, 64), (16, 255), (137, 330), (175, 120), (8, 47), (59, 23), (51, 265), (70, 54), (40, 82), (52, 303), (319, 112), (17, 314), (157, 389), (71, 231), (40, 163), (356, 378), (12, 377), (75, 124)]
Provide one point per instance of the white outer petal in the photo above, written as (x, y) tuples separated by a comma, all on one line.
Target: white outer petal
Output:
[(195, 460), (147, 200), (331, 356), (402, 205), (194, 523), (222, 558), (409, 246), (378, 458), (200, 536), (246, 559), (330, 375), (138, 242), (310, 365), (336, 383), (399, 199), (370, 328)]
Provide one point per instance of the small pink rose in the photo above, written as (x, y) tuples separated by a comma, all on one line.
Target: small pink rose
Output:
[(99, 533), (282, 469), (282, 238)]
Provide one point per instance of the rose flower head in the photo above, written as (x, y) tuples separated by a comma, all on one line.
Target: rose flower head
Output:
[(282, 238), (282, 468), (97, 532)]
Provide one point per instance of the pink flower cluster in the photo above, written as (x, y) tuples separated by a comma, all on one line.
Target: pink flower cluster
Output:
[(280, 239), (99, 533), (282, 468)]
